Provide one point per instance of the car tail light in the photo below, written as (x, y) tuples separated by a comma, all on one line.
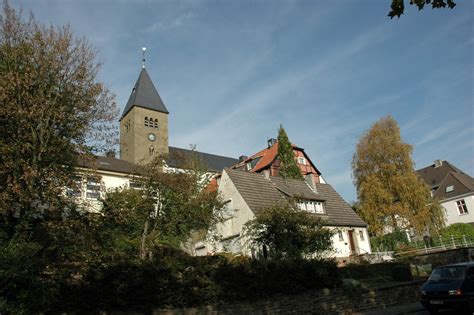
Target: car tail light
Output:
[(455, 292)]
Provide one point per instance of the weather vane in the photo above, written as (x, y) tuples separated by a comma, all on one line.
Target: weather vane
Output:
[(143, 60)]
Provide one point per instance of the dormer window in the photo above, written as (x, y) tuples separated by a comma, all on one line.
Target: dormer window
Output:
[(312, 206), (248, 166)]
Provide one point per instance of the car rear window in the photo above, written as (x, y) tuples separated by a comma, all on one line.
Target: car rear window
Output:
[(448, 273)]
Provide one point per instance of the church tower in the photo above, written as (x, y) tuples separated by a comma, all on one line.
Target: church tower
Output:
[(144, 123)]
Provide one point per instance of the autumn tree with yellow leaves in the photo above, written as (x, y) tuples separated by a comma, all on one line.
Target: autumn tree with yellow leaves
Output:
[(391, 195)]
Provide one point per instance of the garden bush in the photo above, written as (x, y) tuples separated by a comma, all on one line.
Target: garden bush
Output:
[(174, 279)]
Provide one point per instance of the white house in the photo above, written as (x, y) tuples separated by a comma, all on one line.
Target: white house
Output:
[(453, 188), (248, 193)]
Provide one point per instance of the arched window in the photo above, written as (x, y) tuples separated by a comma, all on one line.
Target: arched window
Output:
[(146, 121), (156, 123)]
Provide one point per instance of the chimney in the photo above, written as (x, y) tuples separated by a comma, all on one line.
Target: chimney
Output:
[(110, 154), (271, 142), (438, 163), (266, 174), (242, 158)]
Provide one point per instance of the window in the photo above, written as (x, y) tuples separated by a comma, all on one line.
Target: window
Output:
[(93, 188), (146, 121), (462, 208), (301, 160), (449, 188), (156, 123), (136, 185), (361, 235), (76, 188), (249, 166), (341, 236), (311, 206), (319, 207)]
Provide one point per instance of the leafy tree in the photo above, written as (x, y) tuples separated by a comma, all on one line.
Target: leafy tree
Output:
[(391, 196), (53, 109), (457, 230), (289, 233), (288, 167), (166, 210), (398, 6)]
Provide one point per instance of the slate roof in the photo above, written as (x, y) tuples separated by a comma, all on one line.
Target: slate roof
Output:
[(108, 164), (433, 176), (438, 178), (215, 163), (177, 158), (144, 94), (462, 184), (260, 193)]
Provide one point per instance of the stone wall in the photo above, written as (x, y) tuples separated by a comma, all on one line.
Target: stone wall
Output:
[(325, 301), (442, 258)]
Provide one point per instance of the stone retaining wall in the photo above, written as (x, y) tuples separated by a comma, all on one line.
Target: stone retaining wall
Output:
[(326, 301)]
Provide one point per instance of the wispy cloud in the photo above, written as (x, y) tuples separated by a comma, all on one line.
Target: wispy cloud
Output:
[(168, 24)]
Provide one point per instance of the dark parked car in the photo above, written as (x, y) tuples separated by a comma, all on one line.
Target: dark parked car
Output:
[(450, 287)]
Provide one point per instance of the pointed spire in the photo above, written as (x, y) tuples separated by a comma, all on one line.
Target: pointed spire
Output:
[(145, 95)]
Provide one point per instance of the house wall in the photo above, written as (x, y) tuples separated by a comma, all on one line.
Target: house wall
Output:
[(108, 180), (342, 247), (238, 213), (452, 212)]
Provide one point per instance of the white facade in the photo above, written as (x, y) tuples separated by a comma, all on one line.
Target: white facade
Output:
[(92, 185), (455, 209), (238, 214)]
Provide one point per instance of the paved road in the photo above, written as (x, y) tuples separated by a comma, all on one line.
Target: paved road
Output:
[(407, 309)]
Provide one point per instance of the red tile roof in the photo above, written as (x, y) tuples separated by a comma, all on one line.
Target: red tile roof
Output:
[(267, 157)]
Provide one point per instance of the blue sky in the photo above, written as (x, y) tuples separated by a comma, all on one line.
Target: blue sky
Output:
[(230, 72)]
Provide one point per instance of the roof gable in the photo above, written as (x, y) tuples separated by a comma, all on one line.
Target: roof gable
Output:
[(267, 156), (144, 94), (433, 176), (461, 184)]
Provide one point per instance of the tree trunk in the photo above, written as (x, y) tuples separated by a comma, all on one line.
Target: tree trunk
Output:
[(143, 241)]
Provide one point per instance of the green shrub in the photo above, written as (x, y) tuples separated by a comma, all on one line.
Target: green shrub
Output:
[(457, 230)]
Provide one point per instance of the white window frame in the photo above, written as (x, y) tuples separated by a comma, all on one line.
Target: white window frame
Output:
[(449, 188), (319, 207), (462, 207), (93, 187), (301, 160)]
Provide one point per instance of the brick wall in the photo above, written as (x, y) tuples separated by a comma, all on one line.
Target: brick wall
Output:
[(325, 301)]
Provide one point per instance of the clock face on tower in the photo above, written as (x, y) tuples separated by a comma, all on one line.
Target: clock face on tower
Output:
[(151, 137)]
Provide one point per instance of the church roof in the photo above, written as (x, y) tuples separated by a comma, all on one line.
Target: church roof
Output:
[(144, 94), (215, 163)]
